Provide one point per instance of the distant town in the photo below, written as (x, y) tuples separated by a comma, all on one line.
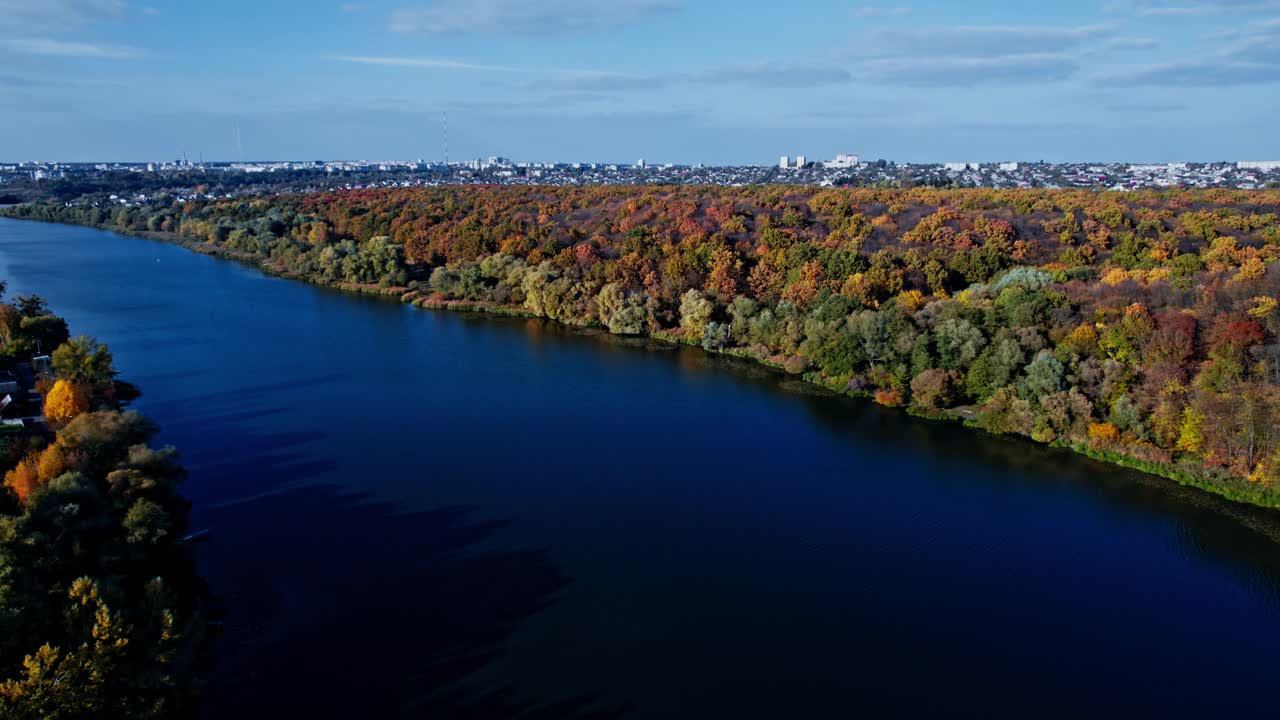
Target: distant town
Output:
[(136, 182)]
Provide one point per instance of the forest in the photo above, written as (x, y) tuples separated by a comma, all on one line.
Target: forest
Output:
[(1140, 328), (100, 603)]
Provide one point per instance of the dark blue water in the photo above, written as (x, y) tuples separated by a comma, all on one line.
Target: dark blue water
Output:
[(426, 514)]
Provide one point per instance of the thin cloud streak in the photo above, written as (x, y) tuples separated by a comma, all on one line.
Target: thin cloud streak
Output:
[(67, 48), (450, 64), (526, 17)]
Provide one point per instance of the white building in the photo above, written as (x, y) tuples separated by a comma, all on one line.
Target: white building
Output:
[(960, 167), (843, 161), (1263, 165), (783, 162), (1009, 167), (801, 161)]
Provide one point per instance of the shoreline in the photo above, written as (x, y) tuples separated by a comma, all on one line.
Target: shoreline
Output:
[(1232, 490)]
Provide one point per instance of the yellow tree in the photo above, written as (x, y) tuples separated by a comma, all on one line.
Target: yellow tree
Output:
[(64, 402), (52, 463)]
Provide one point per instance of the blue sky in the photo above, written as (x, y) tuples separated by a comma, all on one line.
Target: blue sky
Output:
[(712, 81)]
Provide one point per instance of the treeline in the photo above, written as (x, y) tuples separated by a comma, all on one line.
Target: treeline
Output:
[(99, 599), (1140, 326)]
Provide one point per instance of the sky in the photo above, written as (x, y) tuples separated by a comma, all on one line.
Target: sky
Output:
[(683, 81)]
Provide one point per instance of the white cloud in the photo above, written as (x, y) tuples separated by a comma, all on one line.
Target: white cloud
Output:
[(770, 75), (526, 17), (432, 63), (873, 13), (59, 15), (1177, 8), (1250, 56), (761, 75), (981, 41), (68, 48), (426, 63), (967, 71), (1131, 43), (970, 55)]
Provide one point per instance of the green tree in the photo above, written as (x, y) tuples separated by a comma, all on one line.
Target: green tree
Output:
[(83, 361), (958, 343), (695, 313), (1044, 376), (994, 368)]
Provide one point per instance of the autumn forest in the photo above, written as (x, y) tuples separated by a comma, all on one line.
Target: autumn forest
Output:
[(1140, 328)]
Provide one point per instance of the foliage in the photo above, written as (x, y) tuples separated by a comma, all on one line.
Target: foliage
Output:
[(64, 402), (1143, 325), (83, 361), (99, 601)]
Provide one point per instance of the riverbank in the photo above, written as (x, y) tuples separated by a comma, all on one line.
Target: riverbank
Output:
[(630, 496), (1186, 472), (102, 612)]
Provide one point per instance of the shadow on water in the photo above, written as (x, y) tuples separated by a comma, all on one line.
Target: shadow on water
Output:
[(1233, 535), (391, 612), (1230, 534)]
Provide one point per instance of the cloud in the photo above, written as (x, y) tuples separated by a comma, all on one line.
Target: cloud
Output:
[(764, 75), (971, 55), (968, 71), (778, 75), (583, 77), (981, 41), (1130, 43), (1250, 56), (67, 48), (18, 81), (28, 22), (1129, 107), (526, 17), (59, 15), (1159, 8), (760, 75), (432, 63), (874, 13), (1196, 74)]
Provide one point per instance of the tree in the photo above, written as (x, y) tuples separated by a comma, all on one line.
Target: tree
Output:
[(871, 331), (52, 463), (695, 313), (23, 479), (1063, 415), (32, 306), (1191, 432), (83, 361), (804, 291), (43, 333), (65, 401), (994, 368), (932, 389), (725, 278), (1005, 412), (958, 343), (623, 314), (1044, 377), (1104, 434)]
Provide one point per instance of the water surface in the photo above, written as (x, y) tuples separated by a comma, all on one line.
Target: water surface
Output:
[(426, 514)]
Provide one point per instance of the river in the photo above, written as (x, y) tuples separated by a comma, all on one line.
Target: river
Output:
[(425, 514)]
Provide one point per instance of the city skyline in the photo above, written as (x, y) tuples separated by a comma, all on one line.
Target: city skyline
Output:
[(668, 80)]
